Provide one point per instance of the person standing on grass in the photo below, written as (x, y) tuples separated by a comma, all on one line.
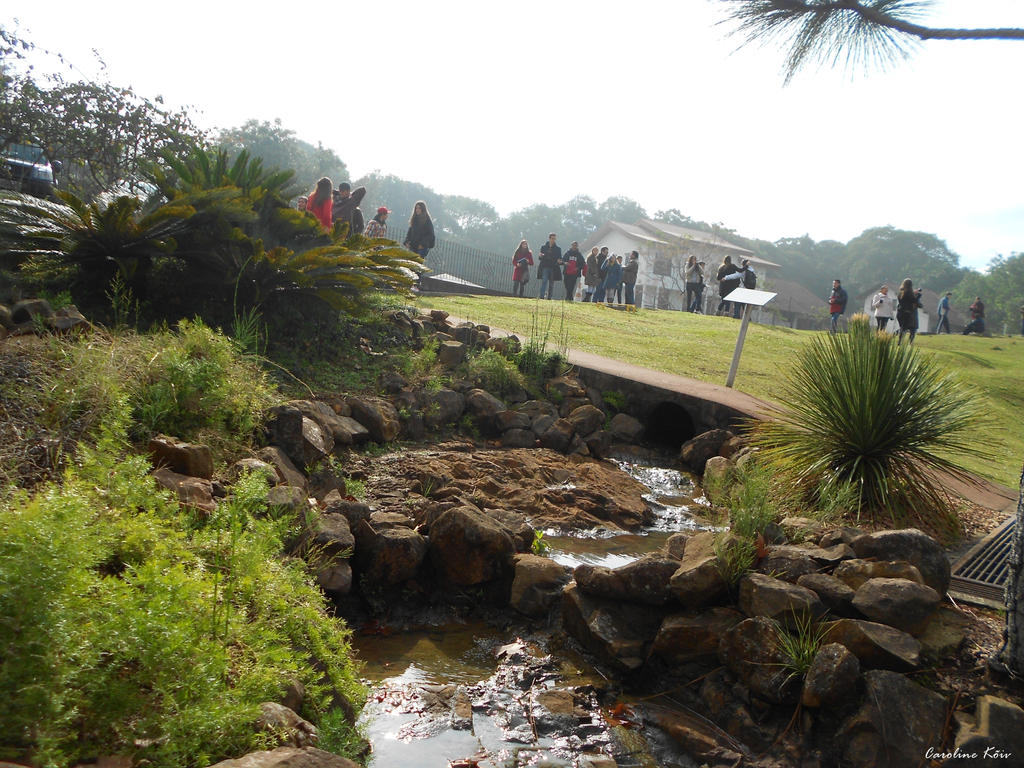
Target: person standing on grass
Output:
[(320, 201), (908, 301), (420, 237), (612, 278), (943, 313), (837, 305), (883, 305), (725, 269), (547, 268), (521, 261), (575, 265), (693, 275), (591, 274), (629, 275), (603, 262)]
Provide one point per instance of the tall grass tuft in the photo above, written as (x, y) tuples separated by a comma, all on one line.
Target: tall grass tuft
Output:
[(862, 412)]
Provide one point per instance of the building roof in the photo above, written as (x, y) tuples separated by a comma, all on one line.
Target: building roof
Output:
[(793, 297)]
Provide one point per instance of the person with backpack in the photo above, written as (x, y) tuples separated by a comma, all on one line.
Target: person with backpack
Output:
[(836, 305), (573, 266)]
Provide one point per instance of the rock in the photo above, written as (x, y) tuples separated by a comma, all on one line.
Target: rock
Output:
[(617, 632), (349, 432), (537, 584), (535, 408), (558, 436), (484, 408), (698, 581), (571, 404), (913, 546), (343, 430), (675, 545), (353, 511), (540, 424), (388, 556), (688, 637), (732, 447), (997, 735), (751, 650), (288, 728), (835, 595), (451, 353), (191, 491), (288, 757), (944, 634), (699, 737), (842, 535), (787, 562), (694, 453), (284, 430), (327, 547), (895, 726), (287, 473), (515, 525), (855, 572), (599, 581), (599, 443), (878, 646), (626, 428), (378, 416), (832, 676), (646, 579), (518, 438), (185, 458), (247, 466), (800, 528), (788, 604), (505, 420), (586, 419), (442, 407), (286, 501), (5, 319), (897, 602), (467, 547), (68, 320), (562, 388), (717, 469), (28, 311)]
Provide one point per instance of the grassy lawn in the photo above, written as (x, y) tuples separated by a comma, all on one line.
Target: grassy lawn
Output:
[(701, 347)]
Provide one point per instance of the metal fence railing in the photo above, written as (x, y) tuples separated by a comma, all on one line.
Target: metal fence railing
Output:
[(453, 265)]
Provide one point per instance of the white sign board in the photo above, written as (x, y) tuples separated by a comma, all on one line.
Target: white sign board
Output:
[(750, 296)]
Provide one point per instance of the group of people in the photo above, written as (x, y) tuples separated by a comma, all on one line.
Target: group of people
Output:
[(729, 277), (330, 206), (905, 305), (604, 275)]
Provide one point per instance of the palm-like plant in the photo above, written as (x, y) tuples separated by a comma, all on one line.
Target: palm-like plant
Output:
[(865, 413)]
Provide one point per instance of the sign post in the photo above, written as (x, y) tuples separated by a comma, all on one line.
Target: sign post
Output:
[(751, 298)]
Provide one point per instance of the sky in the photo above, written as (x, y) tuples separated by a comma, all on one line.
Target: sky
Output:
[(537, 102)]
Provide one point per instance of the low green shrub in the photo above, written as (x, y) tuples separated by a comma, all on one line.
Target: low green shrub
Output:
[(491, 370)]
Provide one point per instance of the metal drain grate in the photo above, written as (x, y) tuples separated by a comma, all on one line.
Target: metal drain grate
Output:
[(980, 576)]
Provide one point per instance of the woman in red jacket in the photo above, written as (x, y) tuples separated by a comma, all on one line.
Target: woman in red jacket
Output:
[(320, 202), (522, 259)]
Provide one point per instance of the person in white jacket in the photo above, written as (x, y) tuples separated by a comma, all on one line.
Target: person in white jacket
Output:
[(883, 304)]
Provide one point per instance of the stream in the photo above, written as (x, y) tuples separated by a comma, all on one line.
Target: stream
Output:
[(480, 695)]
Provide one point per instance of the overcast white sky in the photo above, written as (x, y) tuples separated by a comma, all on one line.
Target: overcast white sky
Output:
[(526, 102)]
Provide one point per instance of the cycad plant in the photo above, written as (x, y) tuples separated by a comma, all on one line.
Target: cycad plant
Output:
[(862, 412)]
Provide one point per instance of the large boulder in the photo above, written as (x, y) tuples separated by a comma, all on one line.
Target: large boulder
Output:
[(897, 602), (442, 407), (484, 408), (832, 676), (537, 584), (195, 492), (788, 562), (645, 580), (897, 723), (835, 595), (558, 437), (854, 573), (378, 416), (284, 430), (182, 457), (343, 430), (912, 545), (286, 727), (451, 354), (518, 438), (996, 735), (506, 420), (698, 580), (752, 651), (688, 637), (694, 453), (586, 419), (288, 757), (287, 472), (626, 428), (386, 556), (878, 646), (327, 547), (617, 632), (789, 604), (467, 547)]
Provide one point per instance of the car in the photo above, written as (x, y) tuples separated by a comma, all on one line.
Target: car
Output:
[(26, 169)]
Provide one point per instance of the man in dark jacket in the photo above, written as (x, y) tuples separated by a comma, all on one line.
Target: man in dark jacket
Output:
[(977, 324), (346, 207), (550, 255), (629, 276), (836, 304)]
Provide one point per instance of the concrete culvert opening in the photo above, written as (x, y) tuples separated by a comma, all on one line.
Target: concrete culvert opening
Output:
[(668, 426)]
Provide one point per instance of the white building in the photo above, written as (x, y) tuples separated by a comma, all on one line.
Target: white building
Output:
[(664, 250)]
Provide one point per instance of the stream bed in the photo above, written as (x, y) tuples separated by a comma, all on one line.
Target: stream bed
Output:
[(503, 695)]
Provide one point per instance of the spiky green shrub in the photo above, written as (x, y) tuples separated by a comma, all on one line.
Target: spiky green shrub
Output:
[(859, 411)]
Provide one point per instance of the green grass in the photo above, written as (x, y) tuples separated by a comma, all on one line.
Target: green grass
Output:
[(701, 347)]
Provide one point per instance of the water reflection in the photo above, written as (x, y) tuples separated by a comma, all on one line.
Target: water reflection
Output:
[(452, 654)]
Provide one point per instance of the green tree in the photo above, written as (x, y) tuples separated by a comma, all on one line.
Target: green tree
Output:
[(863, 32), (887, 254)]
